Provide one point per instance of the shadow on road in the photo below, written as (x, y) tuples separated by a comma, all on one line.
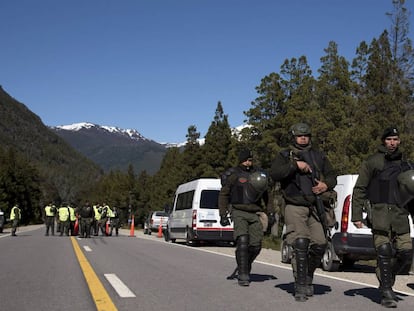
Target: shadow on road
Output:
[(371, 293), (319, 289)]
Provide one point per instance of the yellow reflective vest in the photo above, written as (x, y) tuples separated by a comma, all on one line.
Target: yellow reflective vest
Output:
[(63, 214), (15, 213), (49, 211)]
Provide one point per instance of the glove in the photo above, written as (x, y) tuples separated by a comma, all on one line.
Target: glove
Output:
[(224, 221), (272, 219)]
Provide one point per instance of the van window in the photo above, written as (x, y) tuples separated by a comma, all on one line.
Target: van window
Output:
[(209, 199), (184, 200), (161, 214)]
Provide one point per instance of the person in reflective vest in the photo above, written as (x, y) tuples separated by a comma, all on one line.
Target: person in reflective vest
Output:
[(50, 211), (72, 220), (115, 222), (64, 220), (96, 223), (15, 217)]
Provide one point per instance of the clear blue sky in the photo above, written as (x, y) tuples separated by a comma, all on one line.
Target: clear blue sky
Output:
[(159, 66)]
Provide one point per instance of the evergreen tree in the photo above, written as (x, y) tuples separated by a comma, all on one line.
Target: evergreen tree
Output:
[(334, 109), (192, 156), (218, 145)]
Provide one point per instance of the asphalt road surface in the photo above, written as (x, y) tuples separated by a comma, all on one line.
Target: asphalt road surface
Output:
[(144, 272)]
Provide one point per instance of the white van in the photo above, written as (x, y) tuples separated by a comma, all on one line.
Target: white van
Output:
[(195, 215)]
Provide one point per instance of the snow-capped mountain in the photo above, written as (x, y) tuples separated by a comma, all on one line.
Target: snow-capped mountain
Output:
[(133, 134), (113, 148)]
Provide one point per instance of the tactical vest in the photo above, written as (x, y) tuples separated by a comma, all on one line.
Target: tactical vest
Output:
[(240, 189), (383, 187), (300, 184)]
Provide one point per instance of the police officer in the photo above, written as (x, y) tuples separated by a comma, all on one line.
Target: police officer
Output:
[(97, 218), (244, 193), (86, 214), (15, 217), (72, 220), (115, 222), (304, 173), (378, 183), (50, 211), (64, 219)]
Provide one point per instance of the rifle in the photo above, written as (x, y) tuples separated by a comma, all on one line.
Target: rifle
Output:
[(320, 208)]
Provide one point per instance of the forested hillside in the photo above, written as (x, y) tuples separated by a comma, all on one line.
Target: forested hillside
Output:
[(114, 151), (37, 166)]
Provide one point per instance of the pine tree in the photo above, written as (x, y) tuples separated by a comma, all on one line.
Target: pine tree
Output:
[(218, 145)]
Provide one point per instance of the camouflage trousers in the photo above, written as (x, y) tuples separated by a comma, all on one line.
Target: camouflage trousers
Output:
[(247, 223)]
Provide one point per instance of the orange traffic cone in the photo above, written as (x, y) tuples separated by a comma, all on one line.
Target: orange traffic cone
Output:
[(159, 235), (131, 232), (107, 227), (76, 227)]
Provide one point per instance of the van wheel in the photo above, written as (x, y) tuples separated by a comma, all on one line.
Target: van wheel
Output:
[(329, 262), (286, 252)]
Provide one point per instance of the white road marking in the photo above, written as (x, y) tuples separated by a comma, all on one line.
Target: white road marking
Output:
[(122, 290), (87, 248)]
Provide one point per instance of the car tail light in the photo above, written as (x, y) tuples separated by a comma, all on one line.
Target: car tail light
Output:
[(194, 217), (345, 214)]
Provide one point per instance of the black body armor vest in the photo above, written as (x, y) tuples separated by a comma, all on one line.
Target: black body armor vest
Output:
[(383, 187)]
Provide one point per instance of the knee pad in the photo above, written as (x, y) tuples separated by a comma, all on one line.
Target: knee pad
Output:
[(317, 250), (243, 241), (385, 250), (301, 244)]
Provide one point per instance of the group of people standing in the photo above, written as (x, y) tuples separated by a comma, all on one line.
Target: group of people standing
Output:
[(307, 179), (82, 221)]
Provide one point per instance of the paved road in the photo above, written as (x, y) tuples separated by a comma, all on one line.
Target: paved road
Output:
[(146, 273)]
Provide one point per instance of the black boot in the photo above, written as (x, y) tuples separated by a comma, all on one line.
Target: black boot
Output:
[(254, 251), (301, 258), (316, 252), (242, 258), (386, 277), (404, 261)]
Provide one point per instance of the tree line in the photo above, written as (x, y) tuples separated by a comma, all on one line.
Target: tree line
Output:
[(348, 104)]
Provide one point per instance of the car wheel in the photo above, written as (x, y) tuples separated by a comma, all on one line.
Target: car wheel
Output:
[(329, 261), (286, 252)]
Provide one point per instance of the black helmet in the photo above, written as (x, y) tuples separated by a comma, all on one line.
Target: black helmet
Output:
[(258, 183), (300, 129), (406, 186)]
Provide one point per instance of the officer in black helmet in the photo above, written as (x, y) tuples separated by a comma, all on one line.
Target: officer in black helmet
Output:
[(382, 183), (304, 174), (244, 193)]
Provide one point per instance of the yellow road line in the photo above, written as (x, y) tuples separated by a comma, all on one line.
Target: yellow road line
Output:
[(100, 296)]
